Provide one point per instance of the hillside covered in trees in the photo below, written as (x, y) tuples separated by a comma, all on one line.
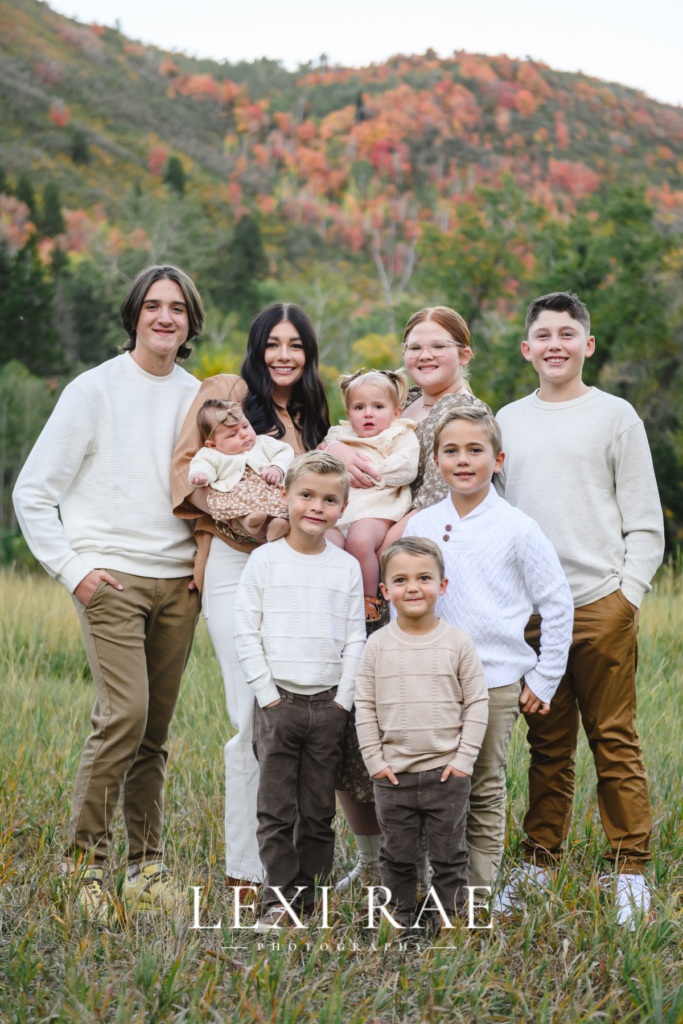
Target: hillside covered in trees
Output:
[(361, 193)]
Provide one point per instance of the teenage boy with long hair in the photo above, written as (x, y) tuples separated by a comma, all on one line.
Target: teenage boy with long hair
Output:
[(578, 462), (94, 504)]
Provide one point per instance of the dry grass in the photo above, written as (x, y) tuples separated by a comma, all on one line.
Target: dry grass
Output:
[(563, 959)]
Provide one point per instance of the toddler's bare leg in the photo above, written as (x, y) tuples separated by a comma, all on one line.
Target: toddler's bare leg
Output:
[(364, 538), (335, 536), (395, 532), (276, 528)]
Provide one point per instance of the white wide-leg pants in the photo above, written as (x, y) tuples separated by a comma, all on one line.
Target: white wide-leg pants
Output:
[(223, 570)]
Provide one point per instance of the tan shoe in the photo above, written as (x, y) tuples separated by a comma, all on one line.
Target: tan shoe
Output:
[(277, 528), (151, 889), (92, 897), (373, 609), (253, 522)]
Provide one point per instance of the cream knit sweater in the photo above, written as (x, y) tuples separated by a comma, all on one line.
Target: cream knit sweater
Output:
[(104, 459), (395, 453), (224, 471), (421, 701)]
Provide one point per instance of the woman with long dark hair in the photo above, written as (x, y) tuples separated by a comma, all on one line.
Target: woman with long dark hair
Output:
[(282, 394)]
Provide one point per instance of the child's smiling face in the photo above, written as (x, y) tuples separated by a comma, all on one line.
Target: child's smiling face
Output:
[(371, 411), (413, 584), (315, 502), (234, 439), (466, 460), (557, 346)]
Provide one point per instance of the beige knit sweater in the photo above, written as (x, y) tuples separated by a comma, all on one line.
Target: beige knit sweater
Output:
[(421, 701)]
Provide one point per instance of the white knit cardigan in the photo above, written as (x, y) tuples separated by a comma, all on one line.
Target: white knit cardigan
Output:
[(395, 453), (224, 471)]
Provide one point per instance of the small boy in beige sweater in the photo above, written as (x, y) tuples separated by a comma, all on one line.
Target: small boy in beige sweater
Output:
[(421, 715)]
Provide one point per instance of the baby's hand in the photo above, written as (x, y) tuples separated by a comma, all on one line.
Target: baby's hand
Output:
[(272, 475), (199, 479)]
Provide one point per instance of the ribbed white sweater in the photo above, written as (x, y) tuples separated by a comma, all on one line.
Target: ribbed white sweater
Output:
[(583, 470), (300, 622), (104, 457), (499, 565)]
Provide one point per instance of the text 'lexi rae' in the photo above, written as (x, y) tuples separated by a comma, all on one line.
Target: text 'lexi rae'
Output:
[(375, 911)]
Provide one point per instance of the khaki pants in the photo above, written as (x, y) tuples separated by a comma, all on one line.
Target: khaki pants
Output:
[(138, 641), (600, 686), (488, 796)]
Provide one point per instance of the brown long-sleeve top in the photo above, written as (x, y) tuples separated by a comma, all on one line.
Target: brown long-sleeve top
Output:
[(234, 389)]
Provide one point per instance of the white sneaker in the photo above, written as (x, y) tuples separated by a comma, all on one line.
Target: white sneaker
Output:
[(366, 869), (525, 876), (632, 896)]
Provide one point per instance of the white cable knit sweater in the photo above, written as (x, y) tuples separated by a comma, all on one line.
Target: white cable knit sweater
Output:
[(395, 453), (104, 457), (499, 565), (224, 471), (300, 622)]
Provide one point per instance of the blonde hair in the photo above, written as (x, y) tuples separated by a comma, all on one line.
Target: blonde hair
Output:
[(215, 411), (321, 463), (452, 322), (392, 382), (479, 413), (412, 546)]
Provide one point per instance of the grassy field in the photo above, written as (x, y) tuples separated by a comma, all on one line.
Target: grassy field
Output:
[(562, 959)]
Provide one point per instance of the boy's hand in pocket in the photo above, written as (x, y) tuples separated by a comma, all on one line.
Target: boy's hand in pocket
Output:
[(386, 773), (450, 770)]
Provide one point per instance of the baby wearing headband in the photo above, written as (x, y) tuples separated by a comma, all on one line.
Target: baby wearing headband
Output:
[(373, 403), (246, 468)]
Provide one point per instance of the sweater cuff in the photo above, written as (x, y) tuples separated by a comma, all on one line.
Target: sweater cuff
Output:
[(265, 693), (375, 764), (73, 573), (345, 694), (633, 590), (463, 763), (541, 687)]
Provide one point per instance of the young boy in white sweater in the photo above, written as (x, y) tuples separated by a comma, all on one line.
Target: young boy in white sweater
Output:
[(500, 565), (421, 712), (299, 632), (579, 463)]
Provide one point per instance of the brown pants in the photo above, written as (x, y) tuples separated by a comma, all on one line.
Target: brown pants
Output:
[(600, 686), (420, 800), (138, 641), (297, 744)]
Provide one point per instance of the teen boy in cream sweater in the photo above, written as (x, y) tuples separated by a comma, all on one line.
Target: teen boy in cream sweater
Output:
[(421, 712), (299, 632), (579, 463)]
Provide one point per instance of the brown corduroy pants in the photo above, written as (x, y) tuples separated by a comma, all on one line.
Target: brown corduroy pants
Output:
[(138, 641), (600, 687)]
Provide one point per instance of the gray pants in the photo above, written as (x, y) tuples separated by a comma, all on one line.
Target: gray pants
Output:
[(422, 799), (298, 745)]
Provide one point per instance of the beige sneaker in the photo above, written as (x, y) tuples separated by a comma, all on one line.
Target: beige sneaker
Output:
[(93, 898), (151, 889)]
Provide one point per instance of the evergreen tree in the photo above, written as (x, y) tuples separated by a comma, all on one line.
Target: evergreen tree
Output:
[(53, 219), (174, 175), (237, 269), (24, 191), (80, 146), (26, 297)]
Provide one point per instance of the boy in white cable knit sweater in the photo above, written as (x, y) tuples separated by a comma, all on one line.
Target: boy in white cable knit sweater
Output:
[(248, 470), (500, 565)]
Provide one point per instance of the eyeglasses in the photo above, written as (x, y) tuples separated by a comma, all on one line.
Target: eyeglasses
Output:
[(435, 348)]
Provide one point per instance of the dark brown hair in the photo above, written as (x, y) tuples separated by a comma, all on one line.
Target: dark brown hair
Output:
[(558, 302), (412, 546), (131, 307), (215, 411)]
